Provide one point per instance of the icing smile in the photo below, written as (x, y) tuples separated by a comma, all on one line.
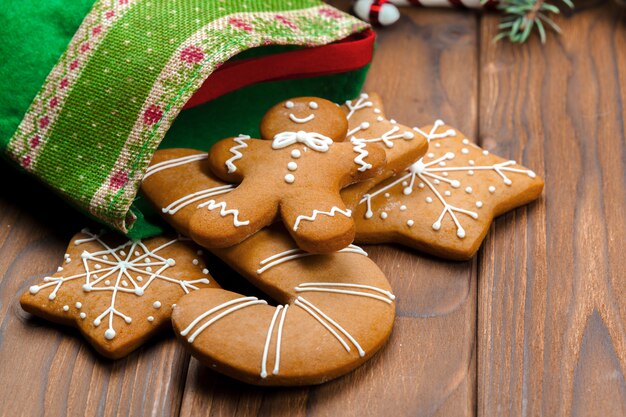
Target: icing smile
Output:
[(303, 120)]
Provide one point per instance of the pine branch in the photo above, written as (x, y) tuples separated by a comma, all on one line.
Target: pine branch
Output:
[(522, 16)]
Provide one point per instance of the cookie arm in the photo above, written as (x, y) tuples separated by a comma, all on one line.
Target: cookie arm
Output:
[(227, 158), (319, 222), (231, 218), (361, 160)]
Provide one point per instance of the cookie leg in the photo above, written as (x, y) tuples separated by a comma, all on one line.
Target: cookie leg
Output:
[(321, 224), (231, 218)]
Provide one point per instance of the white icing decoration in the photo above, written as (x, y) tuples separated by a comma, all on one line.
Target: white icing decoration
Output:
[(359, 148), (156, 304), (301, 120), (289, 104), (296, 253), (292, 166), (268, 339), (240, 303), (361, 103), (319, 315), (235, 151), (296, 154), (403, 208), (289, 178), (118, 269), (410, 222), (383, 215), (313, 140), (362, 126), (313, 216), (150, 318), (279, 338), (479, 204), (313, 105), (389, 136), (184, 201), (427, 171), (171, 163), (212, 205), (337, 288), (66, 308)]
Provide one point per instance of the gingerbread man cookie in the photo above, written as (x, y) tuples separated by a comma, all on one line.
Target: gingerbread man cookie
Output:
[(118, 293), (367, 125), (296, 175), (445, 202), (336, 309)]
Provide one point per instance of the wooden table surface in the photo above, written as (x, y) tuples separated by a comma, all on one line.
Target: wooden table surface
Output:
[(533, 325)]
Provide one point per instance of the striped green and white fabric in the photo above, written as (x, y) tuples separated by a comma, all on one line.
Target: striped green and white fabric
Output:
[(106, 105)]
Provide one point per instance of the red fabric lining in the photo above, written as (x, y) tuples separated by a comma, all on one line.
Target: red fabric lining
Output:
[(349, 54)]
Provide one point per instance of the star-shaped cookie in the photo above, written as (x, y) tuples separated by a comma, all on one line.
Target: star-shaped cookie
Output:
[(445, 202), (367, 124), (118, 293)]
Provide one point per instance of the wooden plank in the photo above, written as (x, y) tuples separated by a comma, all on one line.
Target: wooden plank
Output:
[(48, 369), (425, 68), (551, 335)]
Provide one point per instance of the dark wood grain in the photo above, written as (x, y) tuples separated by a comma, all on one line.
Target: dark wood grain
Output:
[(47, 369), (428, 366), (552, 306)]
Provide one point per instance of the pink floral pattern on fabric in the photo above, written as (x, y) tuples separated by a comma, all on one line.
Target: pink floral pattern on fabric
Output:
[(192, 55), (152, 115), (35, 141), (118, 180), (328, 12), (240, 24), (286, 22)]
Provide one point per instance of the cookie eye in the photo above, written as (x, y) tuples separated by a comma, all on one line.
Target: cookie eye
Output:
[(289, 104), (313, 105)]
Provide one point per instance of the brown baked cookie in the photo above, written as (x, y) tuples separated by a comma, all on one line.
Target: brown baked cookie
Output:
[(177, 182), (118, 293), (303, 346), (445, 202), (336, 311), (296, 176), (368, 125)]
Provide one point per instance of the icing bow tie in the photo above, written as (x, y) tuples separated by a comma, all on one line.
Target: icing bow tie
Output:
[(315, 141)]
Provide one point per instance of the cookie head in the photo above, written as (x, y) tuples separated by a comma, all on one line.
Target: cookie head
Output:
[(309, 114)]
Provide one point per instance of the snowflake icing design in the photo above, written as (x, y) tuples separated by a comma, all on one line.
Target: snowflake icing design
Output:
[(128, 268), (431, 174), (386, 138)]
